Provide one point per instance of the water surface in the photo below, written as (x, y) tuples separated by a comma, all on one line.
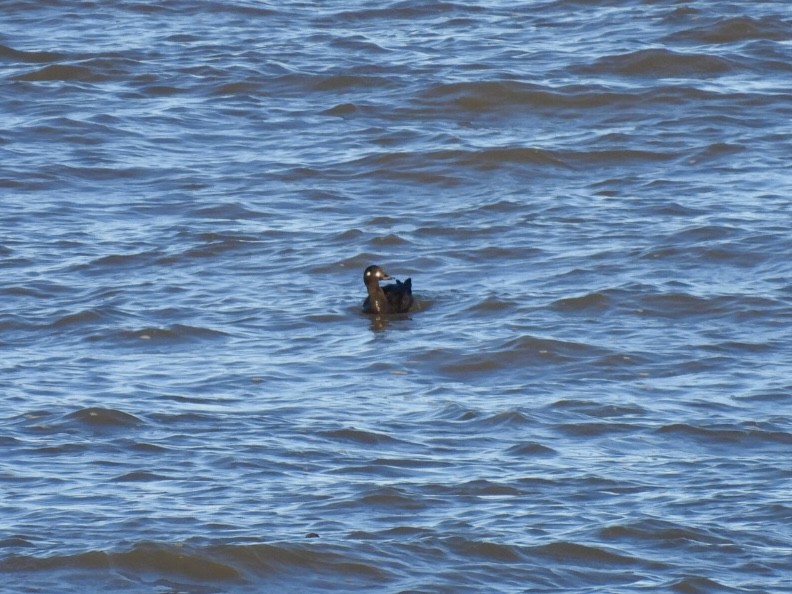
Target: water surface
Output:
[(591, 395)]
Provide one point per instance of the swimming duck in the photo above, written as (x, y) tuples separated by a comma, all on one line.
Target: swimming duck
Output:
[(388, 299)]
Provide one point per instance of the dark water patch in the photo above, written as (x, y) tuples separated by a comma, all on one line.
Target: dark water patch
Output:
[(139, 476), (511, 354), (736, 30), (456, 412), (417, 463), (475, 488), (509, 418), (16, 542), (718, 150), (598, 429), (482, 549), (143, 559), (662, 532), (391, 239), (309, 566), (359, 436), (390, 499), (530, 449), (156, 335), (409, 11), (347, 82), (493, 306), (597, 301), (591, 408), (507, 95), (9, 53), (63, 449), (104, 418), (682, 305), (237, 89), (575, 554), (727, 435), (147, 448), (410, 163), (662, 63), (84, 318), (61, 73), (694, 584), (342, 110)]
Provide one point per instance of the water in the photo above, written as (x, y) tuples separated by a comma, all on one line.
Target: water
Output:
[(592, 200)]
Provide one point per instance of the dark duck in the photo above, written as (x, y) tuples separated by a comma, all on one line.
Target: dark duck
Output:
[(388, 299)]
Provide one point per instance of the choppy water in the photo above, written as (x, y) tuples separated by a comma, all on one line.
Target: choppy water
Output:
[(592, 199)]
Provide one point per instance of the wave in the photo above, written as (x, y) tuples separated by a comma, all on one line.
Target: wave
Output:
[(174, 333), (744, 435), (9, 53), (662, 63), (103, 417), (736, 30), (61, 72)]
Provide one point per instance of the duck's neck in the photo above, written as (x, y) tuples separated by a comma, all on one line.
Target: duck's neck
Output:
[(377, 298)]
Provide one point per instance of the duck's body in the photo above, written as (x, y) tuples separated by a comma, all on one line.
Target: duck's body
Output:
[(389, 299)]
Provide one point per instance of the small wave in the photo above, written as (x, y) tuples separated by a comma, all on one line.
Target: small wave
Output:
[(61, 72), (104, 417), (660, 63), (570, 553), (509, 418), (343, 82), (682, 304), (728, 435), (341, 110), (483, 549), (411, 11), (662, 531), (31, 57), (511, 354), (493, 305), (80, 318), (358, 436), (596, 301), (175, 333), (143, 558), (482, 97), (139, 476), (692, 584), (735, 30), (530, 449), (598, 429), (597, 409), (390, 498), (122, 260)]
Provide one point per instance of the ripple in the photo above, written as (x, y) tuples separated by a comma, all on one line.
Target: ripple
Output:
[(175, 333), (735, 30), (359, 436), (727, 435), (660, 63), (104, 417), (61, 72)]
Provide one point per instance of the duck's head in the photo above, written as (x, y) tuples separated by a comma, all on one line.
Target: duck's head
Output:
[(374, 274)]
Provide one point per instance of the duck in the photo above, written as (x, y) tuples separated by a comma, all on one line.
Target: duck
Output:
[(388, 299)]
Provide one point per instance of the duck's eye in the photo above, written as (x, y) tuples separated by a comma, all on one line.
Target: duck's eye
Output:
[(368, 272)]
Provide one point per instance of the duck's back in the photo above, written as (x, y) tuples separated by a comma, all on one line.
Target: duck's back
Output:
[(399, 296)]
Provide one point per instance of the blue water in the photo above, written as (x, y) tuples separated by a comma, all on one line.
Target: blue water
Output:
[(591, 393)]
